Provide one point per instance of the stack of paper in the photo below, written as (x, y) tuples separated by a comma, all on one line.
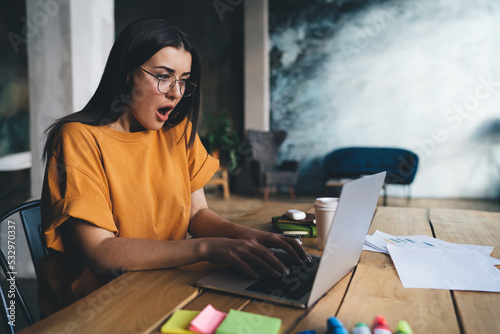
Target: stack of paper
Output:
[(425, 262)]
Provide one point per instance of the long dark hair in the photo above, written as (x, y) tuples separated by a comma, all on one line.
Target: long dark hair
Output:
[(138, 42)]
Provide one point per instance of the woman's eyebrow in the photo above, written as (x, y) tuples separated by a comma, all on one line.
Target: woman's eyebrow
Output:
[(168, 69)]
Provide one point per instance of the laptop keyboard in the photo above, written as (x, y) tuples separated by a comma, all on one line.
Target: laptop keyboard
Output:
[(293, 286)]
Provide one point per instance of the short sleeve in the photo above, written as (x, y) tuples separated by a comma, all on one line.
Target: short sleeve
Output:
[(202, 166), (74, 186)]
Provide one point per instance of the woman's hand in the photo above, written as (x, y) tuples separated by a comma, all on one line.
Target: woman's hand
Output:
[(273, 240), (246, 248), (249, 253)]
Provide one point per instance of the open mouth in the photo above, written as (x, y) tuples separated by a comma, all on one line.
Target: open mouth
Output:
[(163, 111)]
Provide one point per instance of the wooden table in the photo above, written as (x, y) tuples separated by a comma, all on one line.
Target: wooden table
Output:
[(140, 302)]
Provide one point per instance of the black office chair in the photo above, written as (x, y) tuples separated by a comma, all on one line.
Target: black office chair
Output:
[(353, 162), (31, 220)]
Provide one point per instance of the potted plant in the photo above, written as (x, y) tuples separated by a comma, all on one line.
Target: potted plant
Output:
[(220, 140)]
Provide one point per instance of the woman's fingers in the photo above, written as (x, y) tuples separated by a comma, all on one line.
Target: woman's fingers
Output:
[(245, 268), (299, 250), (289, 245), (246, 255), (266, 260)]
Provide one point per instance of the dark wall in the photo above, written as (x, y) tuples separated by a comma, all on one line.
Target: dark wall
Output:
[(14, 111), (14, 102), (218, 34)]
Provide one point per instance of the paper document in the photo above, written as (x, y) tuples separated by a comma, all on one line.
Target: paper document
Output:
[(378, 241), (425, 262), (444, 269)]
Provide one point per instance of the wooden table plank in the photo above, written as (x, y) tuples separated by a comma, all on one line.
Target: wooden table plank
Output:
[(467, 226), (133, 303), (219, 300), (479, 311), (376, 288), (315, 318)]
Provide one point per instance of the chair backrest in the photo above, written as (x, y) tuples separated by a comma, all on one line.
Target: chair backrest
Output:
[(31, 219), (351, 162), (265, 146), (32, 222)]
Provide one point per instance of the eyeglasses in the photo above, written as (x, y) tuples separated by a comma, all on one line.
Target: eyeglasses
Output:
[(166, 82)]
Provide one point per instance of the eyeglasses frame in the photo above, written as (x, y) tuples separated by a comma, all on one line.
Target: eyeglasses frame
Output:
[(181, 83)]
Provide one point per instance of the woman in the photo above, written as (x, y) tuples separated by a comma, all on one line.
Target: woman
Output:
[(125, 175)]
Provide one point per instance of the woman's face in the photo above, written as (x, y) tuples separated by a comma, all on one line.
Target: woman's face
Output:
[(148, 108)]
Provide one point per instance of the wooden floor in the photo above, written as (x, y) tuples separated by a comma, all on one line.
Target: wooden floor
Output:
[(238, 205)]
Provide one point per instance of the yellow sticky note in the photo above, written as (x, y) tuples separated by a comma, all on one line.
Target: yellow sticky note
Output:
[(179, 322)]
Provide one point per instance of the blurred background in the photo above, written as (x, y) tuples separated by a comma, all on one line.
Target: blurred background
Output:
[(421, 75)]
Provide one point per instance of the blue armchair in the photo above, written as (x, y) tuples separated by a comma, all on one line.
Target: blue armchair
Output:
[(353, 162)]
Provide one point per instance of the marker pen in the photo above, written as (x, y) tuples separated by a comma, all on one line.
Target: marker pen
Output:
[(380, 325), (403, 328), (335, 326), (361, 328)]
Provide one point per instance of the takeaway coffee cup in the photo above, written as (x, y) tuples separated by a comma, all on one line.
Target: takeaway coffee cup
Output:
[(324, 208)]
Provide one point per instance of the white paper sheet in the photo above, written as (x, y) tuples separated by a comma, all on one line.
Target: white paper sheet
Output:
[(440, 268), (378, 241)]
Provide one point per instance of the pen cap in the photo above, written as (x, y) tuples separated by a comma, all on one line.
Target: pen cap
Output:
[(361, 328), (380, 325), (335, 326), (403, 328)]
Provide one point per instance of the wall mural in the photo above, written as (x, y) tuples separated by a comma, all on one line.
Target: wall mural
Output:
[(422, 75)]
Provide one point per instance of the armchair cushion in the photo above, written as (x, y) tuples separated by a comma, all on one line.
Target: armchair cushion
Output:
[(351, 162)]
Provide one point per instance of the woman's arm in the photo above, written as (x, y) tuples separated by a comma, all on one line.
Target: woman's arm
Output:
[(104, 252), (252, 246), (217, 240)]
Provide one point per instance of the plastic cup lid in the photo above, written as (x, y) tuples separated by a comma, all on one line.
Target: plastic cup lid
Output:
[(327, 201)]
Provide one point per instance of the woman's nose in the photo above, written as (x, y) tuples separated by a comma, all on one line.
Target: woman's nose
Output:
[(176, 91)]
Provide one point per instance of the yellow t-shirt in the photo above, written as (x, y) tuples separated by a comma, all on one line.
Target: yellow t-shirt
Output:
[(135, 185)]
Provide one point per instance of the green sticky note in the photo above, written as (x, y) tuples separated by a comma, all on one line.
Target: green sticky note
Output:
[(238, 322), (179, 322)]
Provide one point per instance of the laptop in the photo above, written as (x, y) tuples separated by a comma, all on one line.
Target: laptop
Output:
[(308, 282)]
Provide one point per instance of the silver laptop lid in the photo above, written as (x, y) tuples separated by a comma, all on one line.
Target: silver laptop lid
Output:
[(352, 220)]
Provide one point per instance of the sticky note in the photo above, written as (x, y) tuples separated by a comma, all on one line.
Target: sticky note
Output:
[(179, 322), (207, 321), (238, 322)]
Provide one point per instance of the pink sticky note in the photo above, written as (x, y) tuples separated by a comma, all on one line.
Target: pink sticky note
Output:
[(207, 321)]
